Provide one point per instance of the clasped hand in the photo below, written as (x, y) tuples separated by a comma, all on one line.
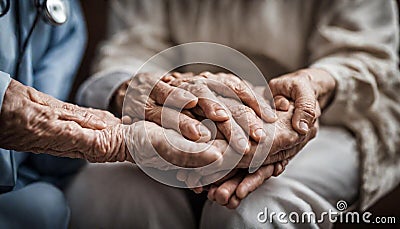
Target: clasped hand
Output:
[(241, 129)]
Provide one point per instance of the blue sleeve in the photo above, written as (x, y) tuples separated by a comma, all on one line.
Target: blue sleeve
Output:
[(56, 70), (5, 80)]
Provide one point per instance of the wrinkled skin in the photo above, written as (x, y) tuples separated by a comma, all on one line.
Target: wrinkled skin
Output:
[(288, 140), (307, 92), (145, 98), (287, 143), (35, 122), (149, 141), (309, 89), (236, 132), (179, 92)]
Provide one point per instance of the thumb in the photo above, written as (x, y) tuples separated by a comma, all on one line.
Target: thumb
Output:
[(305, 110), (173, 96)]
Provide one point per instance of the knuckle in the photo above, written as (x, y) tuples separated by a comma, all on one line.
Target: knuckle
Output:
[(198, 88), (232, 78), (241, 110), (308, 110), (206, 74), (274, 82)]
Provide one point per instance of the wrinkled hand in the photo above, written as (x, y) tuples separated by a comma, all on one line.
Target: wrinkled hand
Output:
[(309, 89), (148, 98), (286, 144), (32, 121), (149, 141), (236, 128), (230, 191)]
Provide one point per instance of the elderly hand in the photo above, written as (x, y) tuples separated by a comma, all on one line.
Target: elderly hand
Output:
[(237, 128), (35, 122), (286, 144), (231, 190), (308, 88), (148, 98), (148, 141)]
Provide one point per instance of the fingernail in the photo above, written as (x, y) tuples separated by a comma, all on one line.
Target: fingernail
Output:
[(221, 113), (303, 126), (243, 143), (259, 133), (280, 168)]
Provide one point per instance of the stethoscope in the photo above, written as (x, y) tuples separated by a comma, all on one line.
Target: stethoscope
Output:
[(54, 12)]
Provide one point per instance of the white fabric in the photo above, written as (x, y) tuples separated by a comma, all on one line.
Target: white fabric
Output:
[(325, 172), (119, 195)]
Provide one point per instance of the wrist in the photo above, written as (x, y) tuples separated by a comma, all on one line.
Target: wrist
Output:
[(128, 142)]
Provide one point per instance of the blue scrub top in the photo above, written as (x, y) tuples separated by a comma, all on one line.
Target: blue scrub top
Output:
[(49, 63)]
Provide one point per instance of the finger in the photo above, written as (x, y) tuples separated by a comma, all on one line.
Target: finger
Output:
[(207, 101), (230, 159), (289, 151), (188, 113), (165, 94), (83, 118), (172, 119), (287, 154), (218, 178), (239, 89), (127, 120), (304, 98), (246, 118), (233, 203), (278, 169), (283, 164), (106, 116), (197, 190), (252, 181), (211, 193), (182, 175), (193, 180), (237, 138), (227, 189), (209, 124), (304, 113), (186, 153), (281, 103), (215, 178)]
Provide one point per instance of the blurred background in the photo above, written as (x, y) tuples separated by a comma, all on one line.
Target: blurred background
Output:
[(96, 17)]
